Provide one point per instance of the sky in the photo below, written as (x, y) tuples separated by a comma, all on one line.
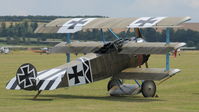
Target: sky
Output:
[(110, 8)]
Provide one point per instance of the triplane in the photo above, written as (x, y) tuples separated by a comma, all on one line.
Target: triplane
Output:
[(119, 59)]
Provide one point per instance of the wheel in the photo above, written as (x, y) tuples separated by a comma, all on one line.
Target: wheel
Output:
[(148, 88), (113, 82)]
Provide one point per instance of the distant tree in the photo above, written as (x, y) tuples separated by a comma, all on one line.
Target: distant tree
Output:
[(16, 40), (197, 46), (8, 39), (190, 44), (3, 29), (34, 25)]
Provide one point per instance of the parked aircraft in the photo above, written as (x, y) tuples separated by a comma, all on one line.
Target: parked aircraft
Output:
[(117, 60)]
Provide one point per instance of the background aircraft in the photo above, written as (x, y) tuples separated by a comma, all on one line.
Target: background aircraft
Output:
[(4, 50), (119, 59), (44, 50)]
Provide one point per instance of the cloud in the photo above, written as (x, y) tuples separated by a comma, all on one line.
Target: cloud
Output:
[(193, 3)]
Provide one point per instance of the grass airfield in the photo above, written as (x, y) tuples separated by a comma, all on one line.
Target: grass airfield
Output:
[(180, 94)]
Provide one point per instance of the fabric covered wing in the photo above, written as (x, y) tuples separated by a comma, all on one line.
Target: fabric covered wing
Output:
[(77, 47), (147, 73), (128, 47), (149, 48), (72, 25)]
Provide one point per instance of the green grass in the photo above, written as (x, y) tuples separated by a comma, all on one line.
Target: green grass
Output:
[(180, 94)]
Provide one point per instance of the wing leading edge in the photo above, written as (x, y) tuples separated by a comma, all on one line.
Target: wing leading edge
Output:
[(127, 48)]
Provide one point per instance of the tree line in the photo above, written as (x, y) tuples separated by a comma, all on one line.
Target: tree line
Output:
[(21, 31)]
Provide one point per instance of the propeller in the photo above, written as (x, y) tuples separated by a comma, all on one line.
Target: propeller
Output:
[(145, 57), (176, 52)]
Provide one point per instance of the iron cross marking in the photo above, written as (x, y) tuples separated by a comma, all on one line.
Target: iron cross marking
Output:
[(74, 23), (26, 76), (75, 75), (143, 22)]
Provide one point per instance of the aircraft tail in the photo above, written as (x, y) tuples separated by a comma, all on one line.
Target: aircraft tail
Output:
[(25, 78)]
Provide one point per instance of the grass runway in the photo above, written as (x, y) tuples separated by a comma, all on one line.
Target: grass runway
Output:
[(180, 94)]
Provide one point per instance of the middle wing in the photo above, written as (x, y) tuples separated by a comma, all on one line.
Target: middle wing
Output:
[(127, 48)]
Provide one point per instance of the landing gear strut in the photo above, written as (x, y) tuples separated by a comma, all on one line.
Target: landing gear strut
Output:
[(35, 97), (148, 88)]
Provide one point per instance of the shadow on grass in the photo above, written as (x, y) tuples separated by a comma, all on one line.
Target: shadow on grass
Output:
[(108, 98), (39, 99), (195, 93)]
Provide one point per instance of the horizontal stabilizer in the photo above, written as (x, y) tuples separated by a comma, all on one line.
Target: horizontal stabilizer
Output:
[(45, 84), (72, 25), (147, 73), (149, 48)]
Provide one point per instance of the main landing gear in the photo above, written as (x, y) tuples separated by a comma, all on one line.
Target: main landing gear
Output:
[(117, 88)]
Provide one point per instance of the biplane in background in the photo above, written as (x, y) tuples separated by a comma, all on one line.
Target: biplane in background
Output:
[(4, 50), (119, 59)]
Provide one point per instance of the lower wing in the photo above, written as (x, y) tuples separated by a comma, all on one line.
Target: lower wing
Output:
[(147, 73)]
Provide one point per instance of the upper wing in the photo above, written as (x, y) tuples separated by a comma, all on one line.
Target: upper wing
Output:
[(72, 25), (128, 47), (147, 73)]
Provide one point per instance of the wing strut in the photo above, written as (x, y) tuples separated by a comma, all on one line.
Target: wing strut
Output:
[(113, 33), (68, 41), (102, 35), (168, 54)]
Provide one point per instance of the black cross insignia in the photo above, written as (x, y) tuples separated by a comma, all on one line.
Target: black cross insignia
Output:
[(26, 75), (74, 23), (143, 22), (75, 75)]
